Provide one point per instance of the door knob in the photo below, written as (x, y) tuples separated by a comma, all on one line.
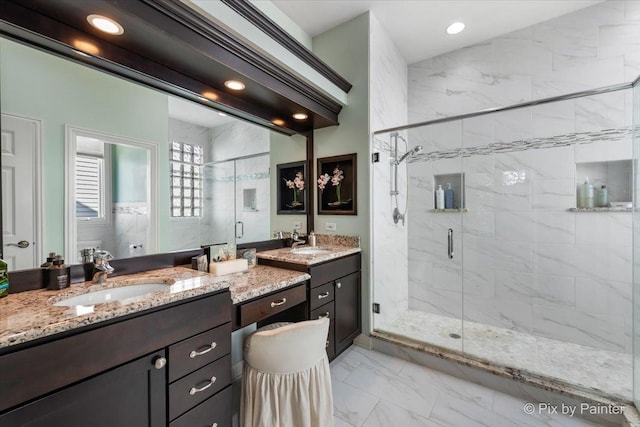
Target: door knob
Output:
[(21, 244)]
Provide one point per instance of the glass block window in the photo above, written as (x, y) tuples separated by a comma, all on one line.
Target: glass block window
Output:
[(186, 181)]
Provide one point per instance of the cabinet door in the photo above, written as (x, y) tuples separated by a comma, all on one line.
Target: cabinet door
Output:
[(133, 394), (347, 310)]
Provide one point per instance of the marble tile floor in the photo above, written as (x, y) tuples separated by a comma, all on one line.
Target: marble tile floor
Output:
[(605, 372), (372, 389)]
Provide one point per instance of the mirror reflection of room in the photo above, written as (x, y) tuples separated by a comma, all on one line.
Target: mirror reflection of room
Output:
[(207, 174)]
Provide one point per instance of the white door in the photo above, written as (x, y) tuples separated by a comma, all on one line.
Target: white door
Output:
[(20, 142)]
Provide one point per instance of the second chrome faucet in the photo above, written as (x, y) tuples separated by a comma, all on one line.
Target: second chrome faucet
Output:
[(101, 267)]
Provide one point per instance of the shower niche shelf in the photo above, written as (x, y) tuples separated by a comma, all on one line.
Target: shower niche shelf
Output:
[(463, 210), (457, 185), (616, 175)]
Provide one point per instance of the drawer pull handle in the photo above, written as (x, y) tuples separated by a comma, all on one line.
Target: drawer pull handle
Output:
[(277, 303), (323, 316), (209, 383), (324, 295), (338, 285), (203, 350)]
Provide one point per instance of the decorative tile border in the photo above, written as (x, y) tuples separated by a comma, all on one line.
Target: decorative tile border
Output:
[(610, 135), (232, 178)]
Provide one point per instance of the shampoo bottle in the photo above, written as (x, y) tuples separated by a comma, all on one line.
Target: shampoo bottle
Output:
[(586, 194), (448, 197), (603, 197), (4, 279), (439, 198)]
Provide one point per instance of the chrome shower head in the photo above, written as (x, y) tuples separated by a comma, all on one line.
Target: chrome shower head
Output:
[(413, 151)]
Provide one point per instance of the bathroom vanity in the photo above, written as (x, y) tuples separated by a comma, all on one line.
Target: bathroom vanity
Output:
[(162, 358), (333, 291)]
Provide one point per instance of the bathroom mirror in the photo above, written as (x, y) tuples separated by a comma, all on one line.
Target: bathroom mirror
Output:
[(43, 96)]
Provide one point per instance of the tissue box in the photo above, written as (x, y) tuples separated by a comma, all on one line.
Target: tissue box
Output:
[(228, 267)]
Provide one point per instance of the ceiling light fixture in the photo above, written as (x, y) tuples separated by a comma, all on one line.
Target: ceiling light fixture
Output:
[(234, 85), (300, 116), (455, 28), (210, 96), (106, 25), (85, 47), (278, 122)]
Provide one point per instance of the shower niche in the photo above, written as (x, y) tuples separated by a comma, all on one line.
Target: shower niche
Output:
[(615, 175), (456, 181)]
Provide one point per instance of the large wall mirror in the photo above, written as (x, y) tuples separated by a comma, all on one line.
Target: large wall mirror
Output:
[(90, 160)]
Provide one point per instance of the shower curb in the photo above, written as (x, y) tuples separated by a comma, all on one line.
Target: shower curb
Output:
[(514, 382)]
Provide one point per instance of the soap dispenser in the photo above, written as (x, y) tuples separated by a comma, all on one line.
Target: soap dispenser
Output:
[(586, 194), (312, 239)]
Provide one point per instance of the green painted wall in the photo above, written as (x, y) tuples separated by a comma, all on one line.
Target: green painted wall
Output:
[(129, 180), (351, 60), (58, 92)]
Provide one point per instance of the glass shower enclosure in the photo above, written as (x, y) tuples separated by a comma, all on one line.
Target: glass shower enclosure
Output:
[(236, 201), (517, 269)]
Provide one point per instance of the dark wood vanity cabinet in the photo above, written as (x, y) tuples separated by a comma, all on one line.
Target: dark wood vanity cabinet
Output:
[(335, 292), (166, 366)]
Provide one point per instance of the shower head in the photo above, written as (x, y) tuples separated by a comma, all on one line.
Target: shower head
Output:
[(413, 151)]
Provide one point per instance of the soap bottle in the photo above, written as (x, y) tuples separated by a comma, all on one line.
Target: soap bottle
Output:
[(603, 197), (586, 195), (58, 276), (312, 239), (4, 279), (439, 197), (448, 197), (49, 261)]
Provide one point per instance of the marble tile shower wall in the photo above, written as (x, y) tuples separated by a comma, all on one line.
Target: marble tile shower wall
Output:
[(130, 227), (529, 264), (388, 108), (525, 262)]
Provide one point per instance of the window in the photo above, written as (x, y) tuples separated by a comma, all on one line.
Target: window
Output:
[(186, 179), (93, 181), (89, 187)]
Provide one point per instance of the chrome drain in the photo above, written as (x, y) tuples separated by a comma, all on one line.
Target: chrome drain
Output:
[(455, 336)]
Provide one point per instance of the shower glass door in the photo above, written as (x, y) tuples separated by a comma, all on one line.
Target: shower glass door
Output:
[(237, 197), (417, 268), (636, 244)]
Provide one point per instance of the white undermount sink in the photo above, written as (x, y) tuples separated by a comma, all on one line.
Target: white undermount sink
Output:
[(112, 294), (309, 250)]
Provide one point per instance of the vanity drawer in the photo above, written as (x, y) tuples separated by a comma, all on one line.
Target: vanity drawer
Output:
[(321, 295), (268, 306), (198, 386), (195, 352), (215, 411), (327, 310), (331, 270)]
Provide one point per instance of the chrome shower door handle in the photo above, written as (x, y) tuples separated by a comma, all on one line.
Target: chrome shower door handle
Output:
[(241, 233), (450, 244)]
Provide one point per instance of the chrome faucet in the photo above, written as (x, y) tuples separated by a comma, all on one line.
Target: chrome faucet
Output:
[(295, 237), (101, 267)]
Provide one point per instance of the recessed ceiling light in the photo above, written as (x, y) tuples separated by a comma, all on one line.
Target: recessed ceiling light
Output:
[(278, 122), (220, 113), (234, 85), (300, 116), (210, 96), (86, 47), (455, 28), (106, 25)]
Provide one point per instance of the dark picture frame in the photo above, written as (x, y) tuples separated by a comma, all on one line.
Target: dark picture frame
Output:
[(290, 201), (337, 199)]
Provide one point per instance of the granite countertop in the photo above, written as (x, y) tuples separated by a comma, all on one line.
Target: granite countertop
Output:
[(31, 315), (285, 254)]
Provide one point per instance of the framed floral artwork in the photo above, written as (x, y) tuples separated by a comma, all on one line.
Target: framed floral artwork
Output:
[(337, 183), (292, 186)]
